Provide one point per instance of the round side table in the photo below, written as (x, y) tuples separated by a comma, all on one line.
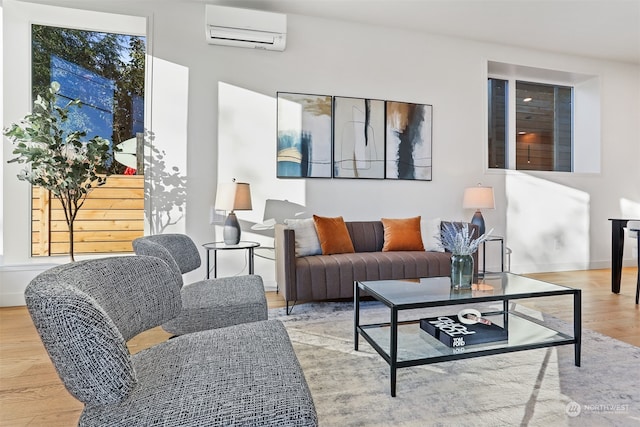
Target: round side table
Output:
[(221, 246)]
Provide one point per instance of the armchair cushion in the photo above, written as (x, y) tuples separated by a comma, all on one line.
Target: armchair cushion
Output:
[(244, 375), (221, 302)]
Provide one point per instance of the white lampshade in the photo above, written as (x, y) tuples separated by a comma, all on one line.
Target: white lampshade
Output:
[(233, 196), (478, 198)]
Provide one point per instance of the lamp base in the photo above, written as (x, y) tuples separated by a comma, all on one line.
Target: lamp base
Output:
[(479, 221), (231, 230)]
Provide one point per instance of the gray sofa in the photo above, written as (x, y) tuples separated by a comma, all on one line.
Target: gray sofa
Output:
[(242, 375), (329, 277)]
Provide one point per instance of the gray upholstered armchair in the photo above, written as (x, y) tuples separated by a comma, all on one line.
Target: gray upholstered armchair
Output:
[(207, 304), (85, 312)]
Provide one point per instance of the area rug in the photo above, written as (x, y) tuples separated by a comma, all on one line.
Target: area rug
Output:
[(540, 387)]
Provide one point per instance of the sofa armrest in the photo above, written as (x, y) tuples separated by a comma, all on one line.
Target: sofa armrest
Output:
[(285, 248)]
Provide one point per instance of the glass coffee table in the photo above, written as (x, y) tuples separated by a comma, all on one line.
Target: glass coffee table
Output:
[(402, 343)]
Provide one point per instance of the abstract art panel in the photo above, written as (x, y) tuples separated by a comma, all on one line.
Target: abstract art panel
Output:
[(408, 141), (358, 132), (304, 136)]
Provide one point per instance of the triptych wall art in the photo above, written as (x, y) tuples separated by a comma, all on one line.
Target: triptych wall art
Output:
[(321, 136)]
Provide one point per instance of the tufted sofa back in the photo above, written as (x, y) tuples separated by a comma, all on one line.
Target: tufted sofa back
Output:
[(366, 236)]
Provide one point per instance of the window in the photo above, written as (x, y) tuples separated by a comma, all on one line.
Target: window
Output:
[(556, 130), (498, 139), (106, 72), (543, 126)]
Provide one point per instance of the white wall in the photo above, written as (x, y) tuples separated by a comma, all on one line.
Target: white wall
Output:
[(555, 221), (1, 114)]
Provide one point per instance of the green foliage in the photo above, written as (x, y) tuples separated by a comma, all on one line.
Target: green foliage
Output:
[(57, 161), (116, 57), (63, 164)]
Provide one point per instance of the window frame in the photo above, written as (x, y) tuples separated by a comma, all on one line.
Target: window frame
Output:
[(114, 214), (18, 17), (586, 117)]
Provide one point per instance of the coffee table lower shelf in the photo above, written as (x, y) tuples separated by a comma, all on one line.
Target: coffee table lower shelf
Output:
[(414, 347)]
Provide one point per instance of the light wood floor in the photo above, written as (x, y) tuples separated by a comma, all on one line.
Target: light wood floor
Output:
[(32, 395)]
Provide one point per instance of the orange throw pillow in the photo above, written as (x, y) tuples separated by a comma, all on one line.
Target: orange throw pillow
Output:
[(333, 235), (402, 235)]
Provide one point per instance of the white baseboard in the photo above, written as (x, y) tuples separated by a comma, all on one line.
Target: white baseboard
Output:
[(555, 267), (12, 300)]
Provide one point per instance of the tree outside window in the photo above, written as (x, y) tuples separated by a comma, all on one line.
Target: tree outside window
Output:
[(106, 73)]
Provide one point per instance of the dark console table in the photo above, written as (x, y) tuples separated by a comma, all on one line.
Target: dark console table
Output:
[(617, 247)]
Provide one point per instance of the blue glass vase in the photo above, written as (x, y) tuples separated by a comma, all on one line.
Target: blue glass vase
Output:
[(461, 271)]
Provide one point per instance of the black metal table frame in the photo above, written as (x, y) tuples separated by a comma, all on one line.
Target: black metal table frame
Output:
[(617, 249), (638, 279), (484, 271), (249, 246), (392, 357)]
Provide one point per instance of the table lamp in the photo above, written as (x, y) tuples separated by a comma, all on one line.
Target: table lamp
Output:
[(478, 198), (230, 197)]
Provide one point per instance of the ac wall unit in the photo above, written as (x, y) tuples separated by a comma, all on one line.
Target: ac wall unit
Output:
[(255, 29)]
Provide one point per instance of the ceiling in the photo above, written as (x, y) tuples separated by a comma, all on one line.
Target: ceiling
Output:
[(607, 29)]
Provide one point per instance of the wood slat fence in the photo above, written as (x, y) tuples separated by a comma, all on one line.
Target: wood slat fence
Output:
[(110, 219)]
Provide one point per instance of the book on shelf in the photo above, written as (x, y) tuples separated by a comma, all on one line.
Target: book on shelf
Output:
[(449, 331)]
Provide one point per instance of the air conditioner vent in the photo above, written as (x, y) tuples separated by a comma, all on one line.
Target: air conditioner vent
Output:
[(245, 28)]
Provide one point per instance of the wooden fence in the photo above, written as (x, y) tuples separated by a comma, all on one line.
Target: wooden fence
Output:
[(110, 219)]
